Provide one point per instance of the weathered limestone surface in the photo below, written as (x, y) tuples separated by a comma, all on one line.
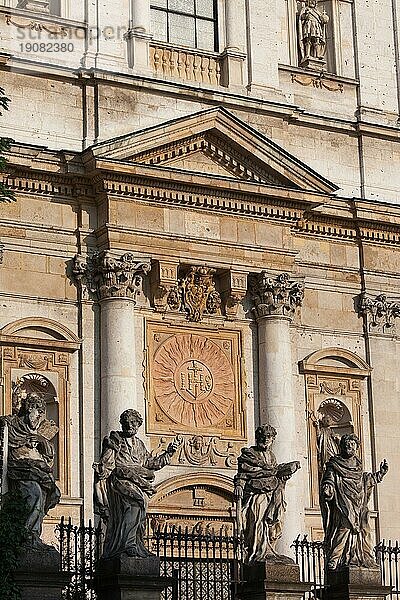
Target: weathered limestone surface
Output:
[(130, 579), (342, 124), (355, 583), (39, 575), (272, 581)]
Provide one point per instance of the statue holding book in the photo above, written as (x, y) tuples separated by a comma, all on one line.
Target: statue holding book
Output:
[(260, 497), (29, 457)]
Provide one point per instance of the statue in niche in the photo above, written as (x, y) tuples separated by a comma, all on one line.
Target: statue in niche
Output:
[(345, 492), (123, 485), (332, 420), (30, 457), (259, 493), (312, 25)]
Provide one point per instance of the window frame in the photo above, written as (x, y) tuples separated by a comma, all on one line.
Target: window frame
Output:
[(196, 18)]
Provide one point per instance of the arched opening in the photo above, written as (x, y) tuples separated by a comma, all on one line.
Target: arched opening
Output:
[(36, 357), (198, 501)]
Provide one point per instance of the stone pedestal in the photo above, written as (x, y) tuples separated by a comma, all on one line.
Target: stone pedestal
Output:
[(315, 64), (39, 575), (272, 581), (232, 65), (130, 579), (41, 6), (355, 583)]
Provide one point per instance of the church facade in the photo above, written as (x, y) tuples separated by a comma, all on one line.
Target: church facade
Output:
[(205, 228)]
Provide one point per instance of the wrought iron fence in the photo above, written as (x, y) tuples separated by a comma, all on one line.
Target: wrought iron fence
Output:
[(388, 558), (203, 564), (80, 548), (311, 559)]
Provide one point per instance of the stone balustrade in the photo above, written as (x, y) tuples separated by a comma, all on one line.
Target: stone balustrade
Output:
[(187, 64)]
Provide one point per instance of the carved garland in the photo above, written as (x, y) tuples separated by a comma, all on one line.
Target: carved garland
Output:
[(36, 26), (318, 82)]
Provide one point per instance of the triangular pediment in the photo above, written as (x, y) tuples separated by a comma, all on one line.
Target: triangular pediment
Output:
[(216, 143)]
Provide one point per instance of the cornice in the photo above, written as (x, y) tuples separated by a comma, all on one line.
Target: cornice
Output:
[(308, 213), (46, 184)]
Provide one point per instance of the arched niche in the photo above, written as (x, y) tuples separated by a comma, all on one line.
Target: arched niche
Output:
[(39, 328), (195, 500), (335, 359), (334, 380), (36, 356)]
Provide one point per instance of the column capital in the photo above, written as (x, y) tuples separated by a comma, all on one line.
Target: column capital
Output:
[(106, 276), (275, 297), (380, 312)]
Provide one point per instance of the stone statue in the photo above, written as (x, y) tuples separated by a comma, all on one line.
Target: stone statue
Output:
[(327, 441), (259, 492), (345, 492), (311, 31), (123, 485), (30, 461)]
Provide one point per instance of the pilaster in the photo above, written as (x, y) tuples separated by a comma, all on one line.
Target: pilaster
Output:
[(138, 37)]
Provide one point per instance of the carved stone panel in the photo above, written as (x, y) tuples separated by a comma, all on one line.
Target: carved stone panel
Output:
[(203, 451), (202, 504), (194, 388)]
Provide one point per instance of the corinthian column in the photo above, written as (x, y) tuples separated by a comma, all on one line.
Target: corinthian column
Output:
[(115, 283), (275, 303)]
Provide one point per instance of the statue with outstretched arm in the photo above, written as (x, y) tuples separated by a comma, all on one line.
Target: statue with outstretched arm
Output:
[(123, 485), (260, 499), (345, 493)]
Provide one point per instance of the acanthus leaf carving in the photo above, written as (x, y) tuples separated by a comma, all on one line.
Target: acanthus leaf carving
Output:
[(380, 311), (234, 289), (279, 296), (105, 276)]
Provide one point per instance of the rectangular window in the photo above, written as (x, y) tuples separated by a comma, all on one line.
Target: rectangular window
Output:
[(191, 23), (44, 7)]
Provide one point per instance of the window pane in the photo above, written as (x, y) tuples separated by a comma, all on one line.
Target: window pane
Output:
[(159, 25), (160, 3), (205, 35), (181, 30), (186, 6), (205, 8)]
